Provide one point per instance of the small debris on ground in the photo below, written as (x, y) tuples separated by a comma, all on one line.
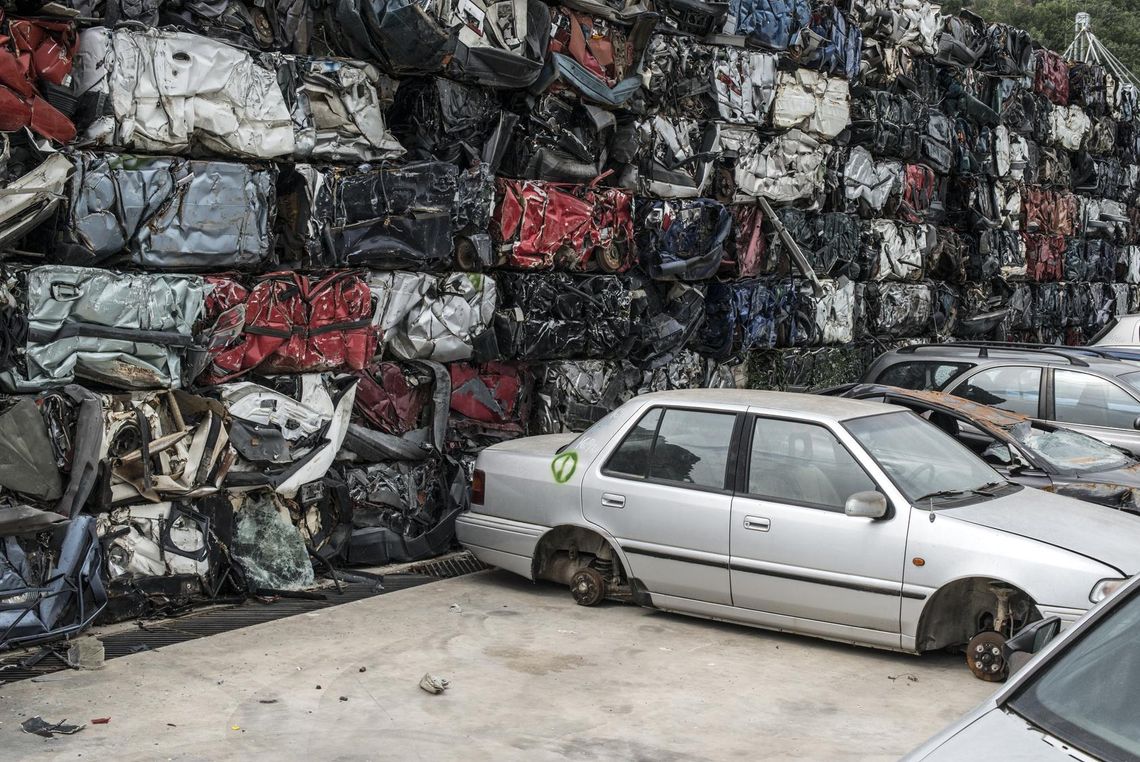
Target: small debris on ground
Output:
[(910, 676), (433, 684), (41, 727), (100, 721), (267, 701), (363, 669), (344, 698), (455, 608)]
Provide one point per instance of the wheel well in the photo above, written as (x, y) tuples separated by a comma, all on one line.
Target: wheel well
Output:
[(566, 549), (961, 609)]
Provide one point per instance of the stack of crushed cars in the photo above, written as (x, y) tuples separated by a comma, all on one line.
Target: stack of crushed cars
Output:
[(271, 274)]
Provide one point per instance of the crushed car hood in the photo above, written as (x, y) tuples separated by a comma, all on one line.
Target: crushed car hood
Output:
[(1115, 488), (1101, 533)]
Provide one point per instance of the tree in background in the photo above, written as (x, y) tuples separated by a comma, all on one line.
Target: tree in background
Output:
[(1050, 22)]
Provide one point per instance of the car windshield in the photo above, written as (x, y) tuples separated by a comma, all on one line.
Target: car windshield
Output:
[(1132, 379), (1088, 695), (924, 462), (1068, 451)]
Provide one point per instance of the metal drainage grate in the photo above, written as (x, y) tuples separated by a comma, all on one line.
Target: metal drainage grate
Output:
[(453, 566), (151, 635)]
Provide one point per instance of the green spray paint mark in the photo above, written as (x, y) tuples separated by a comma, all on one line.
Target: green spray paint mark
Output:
[(563, 466)]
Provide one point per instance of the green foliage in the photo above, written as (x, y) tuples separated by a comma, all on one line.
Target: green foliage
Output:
[(1115, 22)]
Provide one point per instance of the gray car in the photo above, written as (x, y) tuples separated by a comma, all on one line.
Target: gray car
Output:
[(1076, 700), (844, 519), (1074, 387)]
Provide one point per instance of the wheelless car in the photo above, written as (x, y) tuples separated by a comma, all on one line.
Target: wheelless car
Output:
[(844, 519), (1080, 388), (1028, 452), (1075, 700)]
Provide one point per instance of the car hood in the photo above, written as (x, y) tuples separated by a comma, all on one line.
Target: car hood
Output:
[(994, 735), (1104, 534), (1116, 488)]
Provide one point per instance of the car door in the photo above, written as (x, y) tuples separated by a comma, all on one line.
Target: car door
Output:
[(665, 494), (1095, 406), (795, 553)]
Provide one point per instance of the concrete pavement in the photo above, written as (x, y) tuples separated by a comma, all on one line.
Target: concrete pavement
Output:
[(533, 676)]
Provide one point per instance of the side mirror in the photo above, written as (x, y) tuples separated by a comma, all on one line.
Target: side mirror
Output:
[(1136, 423), (1032, 638), (868, 505)]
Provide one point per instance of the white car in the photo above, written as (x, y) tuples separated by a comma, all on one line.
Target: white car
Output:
[(1075, 701), (844, 519)]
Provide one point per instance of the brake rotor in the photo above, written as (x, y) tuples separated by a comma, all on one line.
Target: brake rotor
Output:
[(588, 586), (984, 656)]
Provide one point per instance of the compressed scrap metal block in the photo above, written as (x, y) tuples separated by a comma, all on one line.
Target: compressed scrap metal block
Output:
[(1000, 254), (745, 249), (1092, 259), (683, 240), (788, 169), (964, 41), (159, 446), (833, 318), (1044, 256), (1051, 77), (769, 24), (402, 511), (578, 227), (50, 590), (1009, 52), (833, 43), (36, 57), (804, 369), (1068, 127), (489, 402), (676, 156), (288, 431), (830, 242), (436, 118), (1047, 211), (410, 216), (125, 330), (199, 94), (159, 539), (892, 309), (572, 395), (743, 84), (809, 101), (435, 317), (1088, 88), (869, 185), (497, 44), (564, 140), (895, 250), (403, 399), (287, 322), (32, 197), (598, 59), (337, 107), (884, 123), (166, 214), (553, 316), (906, 24), (739, 317)]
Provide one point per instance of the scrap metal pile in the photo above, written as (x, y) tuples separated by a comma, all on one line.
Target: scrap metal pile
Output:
[(273, 273)]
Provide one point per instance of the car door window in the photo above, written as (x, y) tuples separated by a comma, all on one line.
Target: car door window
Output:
[(921, 375), (631, 458), (1093, 401), (685, 446), (802, 463), (1014, 388), (692, 447)]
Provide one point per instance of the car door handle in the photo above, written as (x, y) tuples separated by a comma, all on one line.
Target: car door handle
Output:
[(611, 500), (757, 523)]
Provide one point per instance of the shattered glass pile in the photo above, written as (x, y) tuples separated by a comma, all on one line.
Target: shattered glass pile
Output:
[(272, 273)]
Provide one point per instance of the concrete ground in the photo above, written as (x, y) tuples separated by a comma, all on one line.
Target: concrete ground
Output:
[(533, 676)]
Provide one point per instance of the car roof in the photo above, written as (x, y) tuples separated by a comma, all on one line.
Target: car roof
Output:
[(990, 416), (808, 405), (1082, 358)]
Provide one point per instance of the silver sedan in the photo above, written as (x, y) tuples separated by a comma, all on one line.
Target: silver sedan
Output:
[(844, 519)]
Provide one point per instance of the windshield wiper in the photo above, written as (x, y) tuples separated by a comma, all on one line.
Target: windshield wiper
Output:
[(983, 490)]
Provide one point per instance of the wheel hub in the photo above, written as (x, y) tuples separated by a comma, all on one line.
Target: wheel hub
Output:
[(985, 658), (588, 586)]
